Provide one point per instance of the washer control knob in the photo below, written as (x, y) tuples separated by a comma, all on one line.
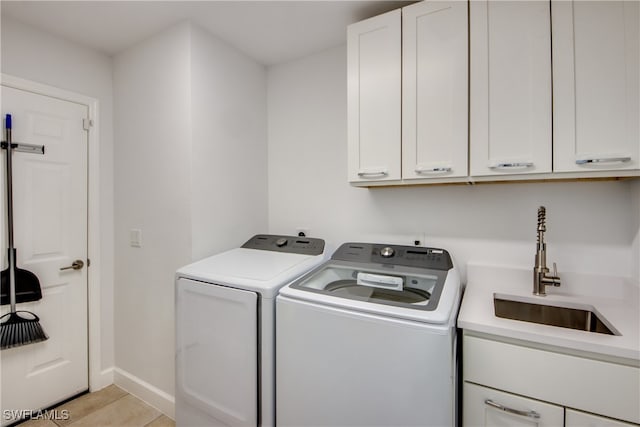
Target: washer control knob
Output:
[(281, 242), (387, 252)]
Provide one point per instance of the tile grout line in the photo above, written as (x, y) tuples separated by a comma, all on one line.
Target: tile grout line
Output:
[(153, 420)]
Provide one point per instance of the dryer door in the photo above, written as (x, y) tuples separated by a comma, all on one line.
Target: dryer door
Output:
[(216, 355)]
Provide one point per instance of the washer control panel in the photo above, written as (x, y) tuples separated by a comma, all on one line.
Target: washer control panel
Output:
[(408, 256), (289, 244)]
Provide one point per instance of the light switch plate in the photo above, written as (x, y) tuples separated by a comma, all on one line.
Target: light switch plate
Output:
[(135, 238)]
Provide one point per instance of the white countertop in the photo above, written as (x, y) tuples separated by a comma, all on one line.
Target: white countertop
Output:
[(615, 299)]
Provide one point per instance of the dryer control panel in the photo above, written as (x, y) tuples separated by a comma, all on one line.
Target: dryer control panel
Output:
[(408, 256), (288, 244)]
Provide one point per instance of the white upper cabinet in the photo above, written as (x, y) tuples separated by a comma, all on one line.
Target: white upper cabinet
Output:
[(435, 90), (596, 74), (374, 98), (510, 96), (454, 91)]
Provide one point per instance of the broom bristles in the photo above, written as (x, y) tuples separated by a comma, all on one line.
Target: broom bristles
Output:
[(17, 331)]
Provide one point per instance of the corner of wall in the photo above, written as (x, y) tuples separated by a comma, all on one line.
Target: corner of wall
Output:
[(228, 143), (635, 249), (145, 391)]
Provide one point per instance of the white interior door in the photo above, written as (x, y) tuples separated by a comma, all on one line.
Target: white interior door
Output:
[(50, 225)]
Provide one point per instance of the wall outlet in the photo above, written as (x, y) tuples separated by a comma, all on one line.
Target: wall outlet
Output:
[(304, 230), (135, 238)]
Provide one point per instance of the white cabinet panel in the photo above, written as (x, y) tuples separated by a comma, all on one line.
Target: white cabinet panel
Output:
[(510, 78), (488, 407), (596, 94), (374, 98), (435, 90), (567, 380), (216, 355), (581, 419)]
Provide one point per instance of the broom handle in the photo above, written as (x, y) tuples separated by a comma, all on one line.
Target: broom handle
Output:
[(12, 251)]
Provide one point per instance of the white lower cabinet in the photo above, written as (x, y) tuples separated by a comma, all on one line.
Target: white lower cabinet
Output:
[(514, 383), (581, 419), (485, 406)]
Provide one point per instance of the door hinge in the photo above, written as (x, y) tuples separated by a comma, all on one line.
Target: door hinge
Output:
[(87, 123)]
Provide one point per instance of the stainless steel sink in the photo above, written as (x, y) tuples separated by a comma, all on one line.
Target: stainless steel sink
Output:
[(564, 317)]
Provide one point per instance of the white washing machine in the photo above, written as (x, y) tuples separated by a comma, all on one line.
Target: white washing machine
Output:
[(369, 339), (225, 309)]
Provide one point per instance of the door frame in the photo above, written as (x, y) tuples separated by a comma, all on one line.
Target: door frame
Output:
[(95, 375)]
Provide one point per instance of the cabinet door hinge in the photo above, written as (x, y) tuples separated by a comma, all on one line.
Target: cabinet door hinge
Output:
[(87, 123)]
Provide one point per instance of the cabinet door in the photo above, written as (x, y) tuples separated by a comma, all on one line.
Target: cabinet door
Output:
[(595, 85), (435, 90), (582, 419), (484, 406), (510, 98), (374, 98)]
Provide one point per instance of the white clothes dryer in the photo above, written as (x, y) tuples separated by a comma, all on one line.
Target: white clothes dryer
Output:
[(369, 339), (225, 310)]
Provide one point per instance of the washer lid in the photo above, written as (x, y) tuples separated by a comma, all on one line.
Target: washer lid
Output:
[(251, 269), (410, 293), (399, 287)]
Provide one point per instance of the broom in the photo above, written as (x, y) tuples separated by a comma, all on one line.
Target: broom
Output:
[(16, 329)]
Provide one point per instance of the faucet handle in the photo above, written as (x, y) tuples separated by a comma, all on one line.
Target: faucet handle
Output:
[(556, 279)]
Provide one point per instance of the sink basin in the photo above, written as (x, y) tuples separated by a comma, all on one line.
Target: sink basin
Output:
[(583, 319)]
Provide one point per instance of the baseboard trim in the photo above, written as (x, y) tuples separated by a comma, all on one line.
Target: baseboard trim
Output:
[(102, 380), (141, 389)]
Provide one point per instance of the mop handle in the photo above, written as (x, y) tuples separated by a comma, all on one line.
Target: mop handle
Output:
[(11, 252), (9, 176)]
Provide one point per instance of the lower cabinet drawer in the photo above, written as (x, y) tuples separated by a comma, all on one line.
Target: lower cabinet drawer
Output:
[(483, 406), (581, 419)]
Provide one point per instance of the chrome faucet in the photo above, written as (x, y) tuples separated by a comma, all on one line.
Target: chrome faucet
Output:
[(541, 278)]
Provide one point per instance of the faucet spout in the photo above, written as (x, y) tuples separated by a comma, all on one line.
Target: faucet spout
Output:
[(541, 276)]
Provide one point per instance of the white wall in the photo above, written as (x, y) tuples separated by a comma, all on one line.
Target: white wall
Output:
[(590, 224), (152, 186), (636, 227), (229, 124), (191, 162), (31, 54)]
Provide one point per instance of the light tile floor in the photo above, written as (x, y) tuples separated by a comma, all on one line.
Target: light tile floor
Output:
[(110, 406)]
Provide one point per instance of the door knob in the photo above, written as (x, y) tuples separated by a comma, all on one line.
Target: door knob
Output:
[(77, 265)]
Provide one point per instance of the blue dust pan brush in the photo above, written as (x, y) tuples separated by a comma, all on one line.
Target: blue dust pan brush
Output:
[(16, 330)]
